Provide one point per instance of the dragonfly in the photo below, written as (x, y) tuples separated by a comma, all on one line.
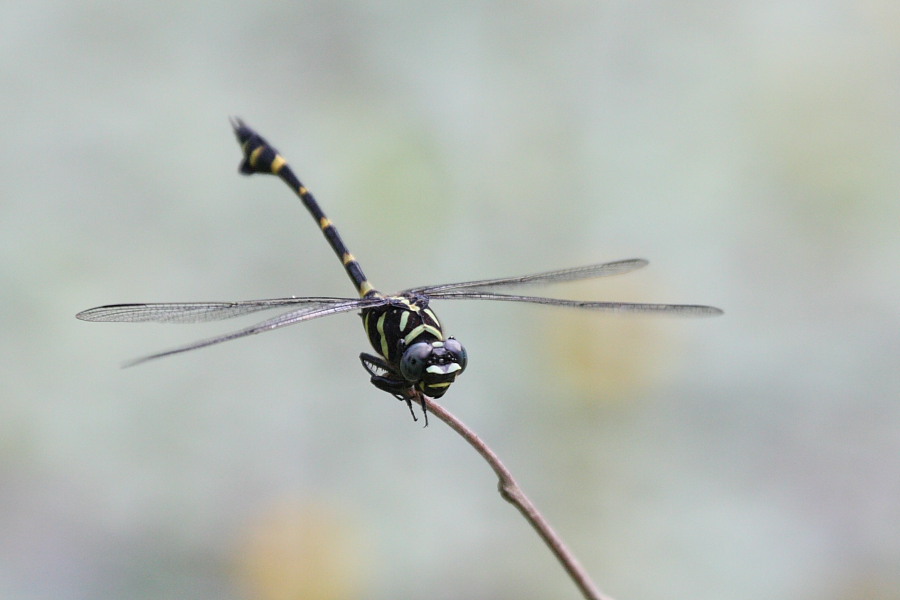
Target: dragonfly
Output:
[(413, 356)]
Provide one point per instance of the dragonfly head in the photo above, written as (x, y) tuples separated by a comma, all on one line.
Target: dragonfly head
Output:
[(433, 366)]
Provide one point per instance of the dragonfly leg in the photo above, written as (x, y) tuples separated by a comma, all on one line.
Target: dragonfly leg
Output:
[(420, 397), (386, 378), (424, 408)]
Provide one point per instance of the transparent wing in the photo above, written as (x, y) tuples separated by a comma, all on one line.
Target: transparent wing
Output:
[(196, 312), (290, 318), (691, 310), (573, 274)]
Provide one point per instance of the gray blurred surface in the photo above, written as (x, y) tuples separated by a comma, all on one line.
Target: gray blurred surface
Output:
[(748, 150)]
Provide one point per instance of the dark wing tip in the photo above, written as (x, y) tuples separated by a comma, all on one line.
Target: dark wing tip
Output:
[(698, 310), (106, 313), (135, 361), (98, 313)]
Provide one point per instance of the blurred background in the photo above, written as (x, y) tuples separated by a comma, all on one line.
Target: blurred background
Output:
[(750, 151)]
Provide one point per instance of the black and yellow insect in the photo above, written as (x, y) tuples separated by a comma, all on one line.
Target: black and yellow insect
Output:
[(414, 356)]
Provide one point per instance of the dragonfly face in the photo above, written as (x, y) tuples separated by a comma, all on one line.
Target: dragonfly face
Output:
[(433, 365)]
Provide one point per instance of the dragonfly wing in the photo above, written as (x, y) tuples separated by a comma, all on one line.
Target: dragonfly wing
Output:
[(573, 274), (195, 312), (691, 310), (289, 318)]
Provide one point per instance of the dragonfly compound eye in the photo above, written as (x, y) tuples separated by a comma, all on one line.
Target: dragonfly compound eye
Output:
[(414, 361), (457, 353)]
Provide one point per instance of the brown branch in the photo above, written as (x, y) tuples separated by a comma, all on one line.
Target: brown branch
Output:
[(512, 493)]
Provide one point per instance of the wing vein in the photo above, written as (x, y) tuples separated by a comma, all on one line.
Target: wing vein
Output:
[(573, 274), (283, 320)]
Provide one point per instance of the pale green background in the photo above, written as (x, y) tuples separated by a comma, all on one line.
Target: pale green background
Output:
[(750, 150)]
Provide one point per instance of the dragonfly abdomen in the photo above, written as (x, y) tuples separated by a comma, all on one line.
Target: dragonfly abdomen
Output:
[(262, 157)]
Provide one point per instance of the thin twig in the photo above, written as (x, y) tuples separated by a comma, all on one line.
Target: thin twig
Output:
[(512, 493)]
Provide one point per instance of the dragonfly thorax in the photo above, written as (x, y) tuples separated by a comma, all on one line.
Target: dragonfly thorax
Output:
[(399, 323), (415, 357)]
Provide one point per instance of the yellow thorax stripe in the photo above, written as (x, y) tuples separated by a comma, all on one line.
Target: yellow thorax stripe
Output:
[(379, 326), (423, 328)]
